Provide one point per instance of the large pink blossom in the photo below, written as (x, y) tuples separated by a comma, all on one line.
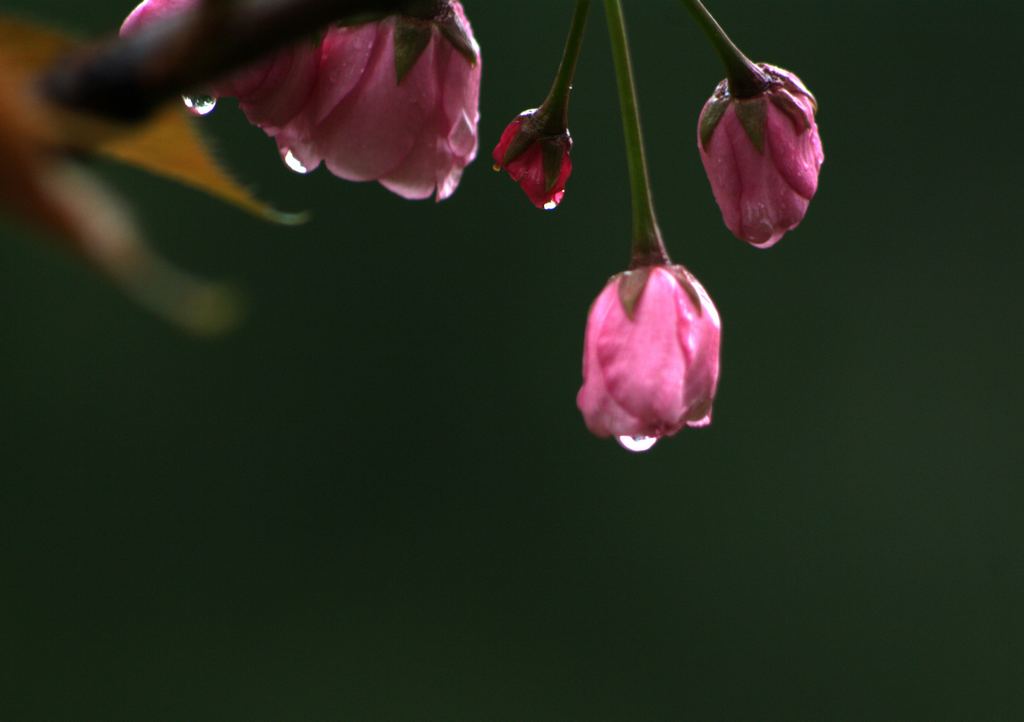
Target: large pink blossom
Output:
[(650, 355), (762, 156), (341, 101)]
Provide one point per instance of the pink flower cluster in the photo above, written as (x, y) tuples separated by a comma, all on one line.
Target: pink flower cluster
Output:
[(345, 103), (396, 100)]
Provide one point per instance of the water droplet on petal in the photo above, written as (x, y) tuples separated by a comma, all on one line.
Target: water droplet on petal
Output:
[(293, 163), (199, 104), (462, 137), (637, 443), (555, 200)]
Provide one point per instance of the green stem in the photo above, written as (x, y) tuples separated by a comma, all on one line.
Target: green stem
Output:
[(745, 79), (648, 248), (557, 102)]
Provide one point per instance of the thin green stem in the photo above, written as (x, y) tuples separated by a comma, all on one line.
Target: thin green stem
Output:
[(648, 248), (557, 102), (745, 79)]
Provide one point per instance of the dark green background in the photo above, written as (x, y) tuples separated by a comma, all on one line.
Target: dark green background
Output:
[(377, 500)]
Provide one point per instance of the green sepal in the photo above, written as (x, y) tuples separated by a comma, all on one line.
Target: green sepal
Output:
[(524, 138), (553, 152), (753, 116), (709, 120), (784, 101), (411, 38), (796, 87), (456, 32), (443, 15), (631, 287), (518, 146), (686, 282)]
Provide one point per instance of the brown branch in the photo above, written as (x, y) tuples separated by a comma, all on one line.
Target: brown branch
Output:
[(126, 78)]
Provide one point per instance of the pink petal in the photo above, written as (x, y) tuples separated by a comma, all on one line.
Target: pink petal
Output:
[(368, 136), (641, 359)]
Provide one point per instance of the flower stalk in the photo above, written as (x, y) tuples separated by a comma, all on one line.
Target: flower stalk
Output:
[(746, 80), (648, 249), (556, 105)]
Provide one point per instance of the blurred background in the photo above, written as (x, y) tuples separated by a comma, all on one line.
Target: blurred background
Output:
[(376, 500)]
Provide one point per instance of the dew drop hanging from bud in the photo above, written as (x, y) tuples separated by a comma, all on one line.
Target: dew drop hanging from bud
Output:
[(199, 104), (637, 443), (292, 162)]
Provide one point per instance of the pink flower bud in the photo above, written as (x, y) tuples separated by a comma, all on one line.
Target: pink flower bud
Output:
[(650, 356), (762, 156), (396, 101), (538, 162)]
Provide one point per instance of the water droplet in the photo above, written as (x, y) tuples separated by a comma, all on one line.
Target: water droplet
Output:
[(637, 443), (293, 163), (462, 137), (555, 200), (199, 104)]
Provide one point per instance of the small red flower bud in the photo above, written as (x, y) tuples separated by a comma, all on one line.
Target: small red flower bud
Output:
[(539, 162), (762, 155)]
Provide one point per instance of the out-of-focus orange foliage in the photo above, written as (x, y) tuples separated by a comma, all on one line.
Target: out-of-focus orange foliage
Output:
[(40, 184), (40, 187), (167, 144)]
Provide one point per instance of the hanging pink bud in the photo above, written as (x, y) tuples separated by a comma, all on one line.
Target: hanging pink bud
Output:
[(762, 155), (394, 100), (537, 160), (650, 356)]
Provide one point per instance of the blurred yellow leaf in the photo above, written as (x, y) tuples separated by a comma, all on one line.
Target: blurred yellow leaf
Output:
[(44, 189), (166, 144), (29, 47)]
